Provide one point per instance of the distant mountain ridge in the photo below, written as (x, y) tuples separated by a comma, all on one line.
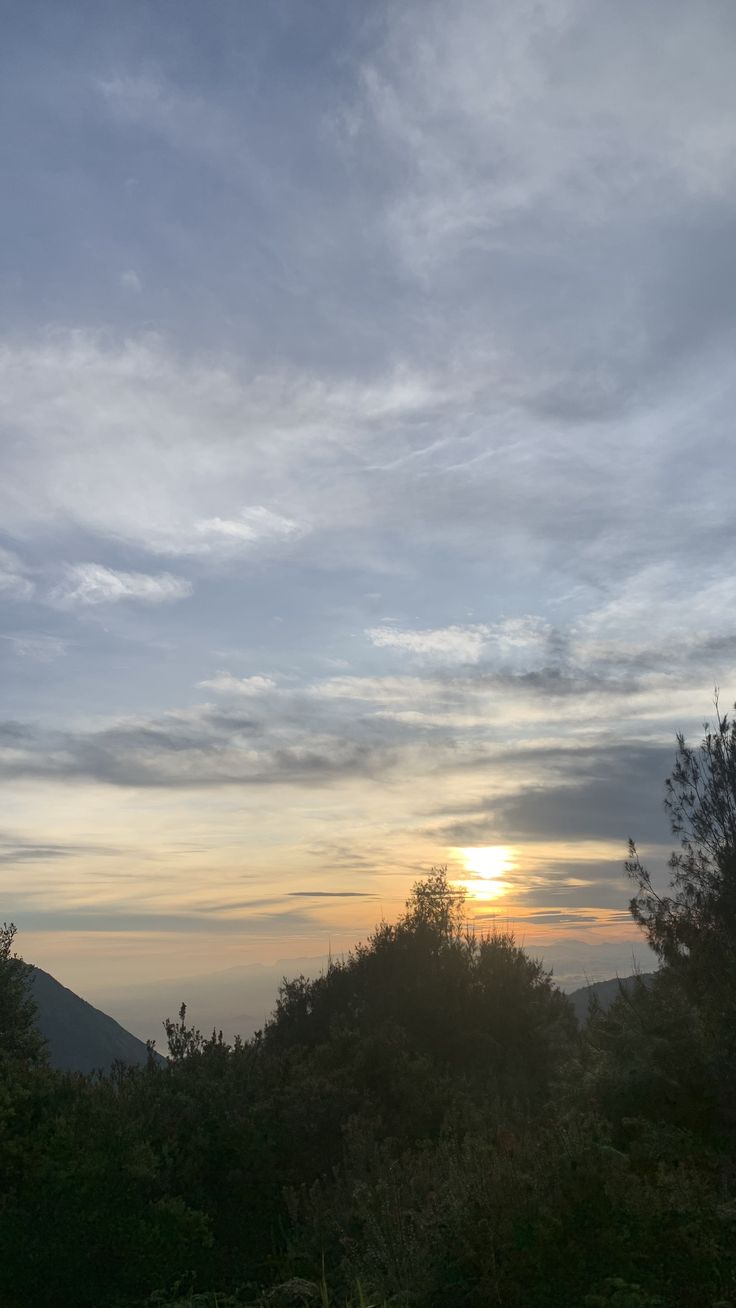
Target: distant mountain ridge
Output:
[(81, 1038), (604, 993)]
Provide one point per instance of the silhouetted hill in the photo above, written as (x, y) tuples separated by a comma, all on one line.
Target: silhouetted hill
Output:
[(605, 992), (80, 1037)]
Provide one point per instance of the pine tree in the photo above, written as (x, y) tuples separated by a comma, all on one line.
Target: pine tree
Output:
[(693, 929)]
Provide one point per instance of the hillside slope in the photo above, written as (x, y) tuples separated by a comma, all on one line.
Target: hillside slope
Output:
[(80, 1037)]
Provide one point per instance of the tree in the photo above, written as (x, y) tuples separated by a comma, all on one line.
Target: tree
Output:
[(20, 1040), (424, 1012), (693, 929), (437, 905)]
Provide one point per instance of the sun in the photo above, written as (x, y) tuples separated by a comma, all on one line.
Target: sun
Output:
[(486, 866)]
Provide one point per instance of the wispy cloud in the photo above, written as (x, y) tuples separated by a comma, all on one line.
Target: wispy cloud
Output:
[(498, 114), (160, 108), (131, 441), (130, 281), (91, 583), (329, 894), (39, 647), (233, 535), (14, 580), (450, 644), (225, 683), (16, 851), (503, 641)]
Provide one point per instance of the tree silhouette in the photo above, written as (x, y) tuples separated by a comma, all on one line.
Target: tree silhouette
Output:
[(693, 929), (20, 1041)]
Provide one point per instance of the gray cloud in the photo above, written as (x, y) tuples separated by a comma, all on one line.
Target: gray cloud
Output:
[(610, 792), (15, 851), (351, 727), (343, 855), (195, 749), (118, 918), (330, 894), (557, 917)]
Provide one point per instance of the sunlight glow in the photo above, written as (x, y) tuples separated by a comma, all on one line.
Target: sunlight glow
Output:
[(486, 866)]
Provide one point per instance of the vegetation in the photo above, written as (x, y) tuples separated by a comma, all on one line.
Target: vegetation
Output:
[(20, 1042), (424, 1124)]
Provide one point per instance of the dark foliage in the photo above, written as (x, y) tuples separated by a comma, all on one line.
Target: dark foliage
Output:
[(20, 1041), (693, 929)]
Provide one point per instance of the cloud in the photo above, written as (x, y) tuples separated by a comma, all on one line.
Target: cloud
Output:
[(16, 850), (330, 894), (225, 683), (120, 918), (498, 115), (130, 281), (232, 535), (607, 792), (183, 121), (198, 748), (646, 614), (475, 692), (574, 917), (133, 442), (91, 583), (14, 580), (329, 732), (451, 644), (344, 855), (526, 639), (39, 647)]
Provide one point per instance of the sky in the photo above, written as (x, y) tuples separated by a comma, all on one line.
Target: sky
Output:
[(366, 465)]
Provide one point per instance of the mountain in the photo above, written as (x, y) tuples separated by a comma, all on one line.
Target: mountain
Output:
[(80, 1037), (604, 992)]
